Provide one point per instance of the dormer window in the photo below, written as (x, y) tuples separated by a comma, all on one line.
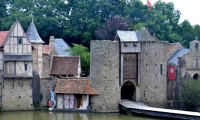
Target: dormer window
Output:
[(196, 46), (19, 41)]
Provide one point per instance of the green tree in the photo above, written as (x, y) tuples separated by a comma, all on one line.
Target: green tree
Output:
[(83, 52), (163, 19), (2, 12), (109, 29), (190, 93)]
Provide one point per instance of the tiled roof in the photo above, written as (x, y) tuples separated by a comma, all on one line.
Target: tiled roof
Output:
[(61, 46), (33, 35), (127, 36), (179, 53), (65, 65), (75, 87), (170, 47), (3, 35), (46, 49)]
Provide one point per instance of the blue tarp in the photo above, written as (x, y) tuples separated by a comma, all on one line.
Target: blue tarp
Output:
[(53, 97)]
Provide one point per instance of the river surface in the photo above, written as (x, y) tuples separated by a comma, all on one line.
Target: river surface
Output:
[(45, 115)]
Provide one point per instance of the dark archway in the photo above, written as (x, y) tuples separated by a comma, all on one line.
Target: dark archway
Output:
[(128, 90), (196, 77)]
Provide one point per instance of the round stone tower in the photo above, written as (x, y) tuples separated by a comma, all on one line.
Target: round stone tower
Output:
[(104, 74)]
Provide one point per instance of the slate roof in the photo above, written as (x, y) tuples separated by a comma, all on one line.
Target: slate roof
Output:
[(3, 36), (75, 87), (46, 49), (65, 65), (127, 36), (61, 46), (174, 59), (33, 35)]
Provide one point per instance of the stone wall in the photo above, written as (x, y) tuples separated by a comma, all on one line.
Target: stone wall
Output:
[(153, 71), (45, 86), (1, 87), (104, 75), (192, 60), (17, 94), (46, 65)]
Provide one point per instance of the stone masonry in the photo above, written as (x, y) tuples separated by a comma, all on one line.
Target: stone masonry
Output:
[(104, 75), (153, 87), (17, 94), (45, 86)]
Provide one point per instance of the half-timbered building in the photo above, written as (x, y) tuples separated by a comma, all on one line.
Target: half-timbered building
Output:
[(17, 69)]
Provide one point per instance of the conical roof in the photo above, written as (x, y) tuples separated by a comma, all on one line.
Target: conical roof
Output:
[(33, 35)]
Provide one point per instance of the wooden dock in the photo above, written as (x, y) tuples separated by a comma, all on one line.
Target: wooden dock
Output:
[(140, 108)]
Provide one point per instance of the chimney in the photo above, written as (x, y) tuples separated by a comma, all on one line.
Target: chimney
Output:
[(51, 41)]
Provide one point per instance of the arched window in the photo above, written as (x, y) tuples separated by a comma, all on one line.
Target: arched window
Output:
[(197, 63), (196, 46)]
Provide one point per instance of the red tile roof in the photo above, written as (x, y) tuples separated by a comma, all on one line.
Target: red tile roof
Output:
[(3, 35), (75, 86), (46, 49), (65, 65), (170, 47)]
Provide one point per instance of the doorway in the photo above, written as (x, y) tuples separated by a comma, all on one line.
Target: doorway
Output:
[(128, 91), (196, 77)]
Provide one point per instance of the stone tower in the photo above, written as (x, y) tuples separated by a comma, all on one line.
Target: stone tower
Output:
[(37, 42), (104, 74), (153, 71)]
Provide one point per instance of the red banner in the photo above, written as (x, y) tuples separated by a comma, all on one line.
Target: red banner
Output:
[(171, 72)]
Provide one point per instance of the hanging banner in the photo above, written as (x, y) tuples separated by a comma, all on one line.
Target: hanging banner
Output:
[(171, 72)]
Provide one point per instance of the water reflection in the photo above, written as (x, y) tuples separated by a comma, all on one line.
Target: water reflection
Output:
[(44, 115)]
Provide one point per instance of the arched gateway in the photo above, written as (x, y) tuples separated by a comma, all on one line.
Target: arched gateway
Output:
[(196, 77), (128, 91)]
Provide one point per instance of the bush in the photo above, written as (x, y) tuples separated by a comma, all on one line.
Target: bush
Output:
[(190, 94)]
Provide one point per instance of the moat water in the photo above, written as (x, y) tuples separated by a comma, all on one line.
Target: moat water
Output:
[(45, 115)]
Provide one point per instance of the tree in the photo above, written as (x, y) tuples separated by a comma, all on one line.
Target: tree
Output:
[(2, 12), (108, 31), (190, 93), (163, 19), (83, 52)]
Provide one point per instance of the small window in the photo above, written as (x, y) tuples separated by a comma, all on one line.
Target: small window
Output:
[(161, 69), (125, 44), (197, 65), (19, 40), (196, 46), (26, 66)]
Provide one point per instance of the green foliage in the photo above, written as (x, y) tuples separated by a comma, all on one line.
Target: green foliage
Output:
[(76, 20), (83, 52), (190, 93), (108, 31)]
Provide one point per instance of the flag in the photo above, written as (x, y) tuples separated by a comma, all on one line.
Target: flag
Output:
[(149, 5)]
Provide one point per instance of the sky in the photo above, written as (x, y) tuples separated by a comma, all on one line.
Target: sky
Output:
[(189, 9)]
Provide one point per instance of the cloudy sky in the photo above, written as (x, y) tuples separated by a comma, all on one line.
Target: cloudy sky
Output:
[(190, 9)]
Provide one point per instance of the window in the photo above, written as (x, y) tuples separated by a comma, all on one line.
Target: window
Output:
[(160, 69), (125, 44), (26, 66), (19, 41), (197, 65), (196, 46)]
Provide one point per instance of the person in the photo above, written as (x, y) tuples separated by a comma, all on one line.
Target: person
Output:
[(49, 103)]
